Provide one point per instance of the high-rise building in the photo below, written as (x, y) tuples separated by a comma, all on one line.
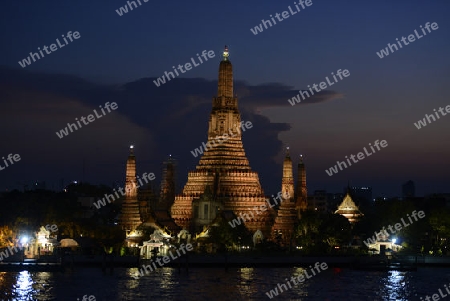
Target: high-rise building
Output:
[(334, 199), (362, 196), (167, 194), (409, 189), (224, 171), (318, 201)]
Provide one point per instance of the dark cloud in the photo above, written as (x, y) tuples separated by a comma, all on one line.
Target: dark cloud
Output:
[(275, 95), (170, 119)]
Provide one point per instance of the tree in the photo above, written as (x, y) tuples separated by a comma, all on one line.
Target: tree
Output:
[(320, 232), (439, 220), (6, 237), (222, 233)]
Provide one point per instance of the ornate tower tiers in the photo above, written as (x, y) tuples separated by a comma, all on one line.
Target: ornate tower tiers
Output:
[(223, 170), (287, 182), (302, 191), (130, 217), (287, 216)]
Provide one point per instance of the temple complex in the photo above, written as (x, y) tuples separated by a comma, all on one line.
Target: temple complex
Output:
[(223, 179), (222, 182)]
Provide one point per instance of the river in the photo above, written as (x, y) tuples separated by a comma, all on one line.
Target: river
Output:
[(218, 284)]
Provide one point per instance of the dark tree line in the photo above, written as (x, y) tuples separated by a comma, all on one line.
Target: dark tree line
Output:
[(26, 212)]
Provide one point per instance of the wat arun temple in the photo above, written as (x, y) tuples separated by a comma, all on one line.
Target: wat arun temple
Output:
[(222, 182)]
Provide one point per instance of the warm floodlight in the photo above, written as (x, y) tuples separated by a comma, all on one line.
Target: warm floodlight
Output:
[(225, 53)]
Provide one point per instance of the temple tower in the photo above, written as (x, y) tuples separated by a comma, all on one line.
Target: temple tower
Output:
[(287, 182), (130, 217), (223, 168), (146, 196), (167, 194), (283, 228), (302, 191)]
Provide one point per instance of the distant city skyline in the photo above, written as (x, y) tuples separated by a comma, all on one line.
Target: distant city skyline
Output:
[(57, 186)]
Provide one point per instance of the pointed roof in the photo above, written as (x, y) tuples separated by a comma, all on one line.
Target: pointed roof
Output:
[(225, 84), (347, 204), (287, 153), (131, 151), (349, 209), (225, 53)]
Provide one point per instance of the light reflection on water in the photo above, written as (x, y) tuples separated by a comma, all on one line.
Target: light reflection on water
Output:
[(24, 286), (245, 285), (395, 286), (217, 284)]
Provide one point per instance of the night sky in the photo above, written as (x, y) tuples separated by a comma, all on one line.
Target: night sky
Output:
[(117, 58)]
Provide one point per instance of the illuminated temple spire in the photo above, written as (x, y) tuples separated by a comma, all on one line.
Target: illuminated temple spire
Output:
[(225, 114), (225, 53), (287, 183), (130, 216), (283, 227), (225, 87), (302, 191), (223, 179)]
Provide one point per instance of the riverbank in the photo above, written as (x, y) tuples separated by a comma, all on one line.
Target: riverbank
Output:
[(231, 260)]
